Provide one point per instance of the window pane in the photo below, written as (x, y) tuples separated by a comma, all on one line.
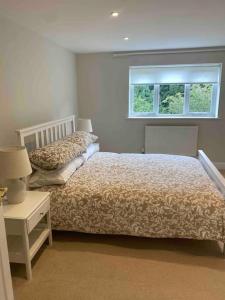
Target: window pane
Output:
[(171, 99), (143, 98), (200, 97)]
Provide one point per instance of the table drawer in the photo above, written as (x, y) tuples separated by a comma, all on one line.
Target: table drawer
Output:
[(37, 215)]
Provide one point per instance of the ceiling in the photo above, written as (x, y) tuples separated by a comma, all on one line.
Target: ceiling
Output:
[(86, 25)]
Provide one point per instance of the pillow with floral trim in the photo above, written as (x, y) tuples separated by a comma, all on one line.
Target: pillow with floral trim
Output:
[(82, 138), (55, 155)]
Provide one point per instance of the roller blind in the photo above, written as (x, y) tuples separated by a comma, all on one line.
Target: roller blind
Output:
[(209, 73)]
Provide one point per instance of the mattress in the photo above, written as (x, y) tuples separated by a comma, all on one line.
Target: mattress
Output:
[(150, 195)]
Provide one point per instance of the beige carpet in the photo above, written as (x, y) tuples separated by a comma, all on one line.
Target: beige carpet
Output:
[(95, 267)]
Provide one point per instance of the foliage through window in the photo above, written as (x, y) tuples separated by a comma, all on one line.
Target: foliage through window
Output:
[(174, 91), (143, 98), (200, 97), (171, 98)]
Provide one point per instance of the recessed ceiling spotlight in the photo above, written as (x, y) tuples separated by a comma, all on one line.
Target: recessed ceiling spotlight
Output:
[(115, 14), (126, 38)]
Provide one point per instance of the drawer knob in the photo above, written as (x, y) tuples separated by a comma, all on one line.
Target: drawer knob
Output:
[(42, 214)]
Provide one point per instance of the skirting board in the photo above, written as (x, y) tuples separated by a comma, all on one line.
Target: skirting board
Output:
[(219, 165)]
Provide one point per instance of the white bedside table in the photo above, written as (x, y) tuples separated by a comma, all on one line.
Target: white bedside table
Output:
[(28, 225)]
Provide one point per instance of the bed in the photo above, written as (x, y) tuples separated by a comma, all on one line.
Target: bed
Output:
[(151, 195)]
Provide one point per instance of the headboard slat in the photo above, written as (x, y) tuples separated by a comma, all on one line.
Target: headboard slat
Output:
[(47, 135), (56, 133), (64, 130), (37, 139), (60, 132), (42, 138), (51, 135)]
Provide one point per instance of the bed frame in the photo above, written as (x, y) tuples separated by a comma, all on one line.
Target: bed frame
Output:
[(54, 130)]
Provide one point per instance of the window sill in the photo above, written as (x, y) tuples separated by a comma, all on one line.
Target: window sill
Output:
[(173, 118)]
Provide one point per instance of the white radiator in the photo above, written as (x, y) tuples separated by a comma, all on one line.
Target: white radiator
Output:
[(181, 140)]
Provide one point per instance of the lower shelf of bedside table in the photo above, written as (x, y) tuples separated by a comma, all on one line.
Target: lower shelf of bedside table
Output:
[(36, 240)]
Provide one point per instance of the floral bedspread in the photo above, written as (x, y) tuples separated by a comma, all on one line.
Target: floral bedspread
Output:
[(151, 195)]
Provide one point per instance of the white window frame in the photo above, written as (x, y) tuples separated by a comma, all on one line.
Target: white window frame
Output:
[(186, 113)]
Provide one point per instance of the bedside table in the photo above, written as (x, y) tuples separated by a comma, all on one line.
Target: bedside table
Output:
[(28, 225)]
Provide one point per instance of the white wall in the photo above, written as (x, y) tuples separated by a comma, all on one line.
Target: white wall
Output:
[(37, 80), (103, 97)]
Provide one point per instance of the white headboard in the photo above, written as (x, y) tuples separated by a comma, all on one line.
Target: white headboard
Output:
[(181, 140), (49, 132)]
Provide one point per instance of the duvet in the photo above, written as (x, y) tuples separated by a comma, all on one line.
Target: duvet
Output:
[(151, 195)]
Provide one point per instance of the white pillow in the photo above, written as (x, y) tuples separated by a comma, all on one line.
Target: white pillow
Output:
[(43, 177), (91, 149)]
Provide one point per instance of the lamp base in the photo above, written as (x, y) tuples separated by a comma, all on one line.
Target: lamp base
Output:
[(16, 191)]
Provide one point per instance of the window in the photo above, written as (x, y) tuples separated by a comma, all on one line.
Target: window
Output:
[(190, 91)]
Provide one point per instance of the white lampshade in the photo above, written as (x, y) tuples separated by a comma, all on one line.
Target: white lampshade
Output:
[(85, 125), (14, 162)]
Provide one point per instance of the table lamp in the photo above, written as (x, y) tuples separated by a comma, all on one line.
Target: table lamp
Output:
[(14, 166), (85, 125)]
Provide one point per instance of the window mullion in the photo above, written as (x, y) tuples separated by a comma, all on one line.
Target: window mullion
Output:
[(131, 102), (186, 98), (156, 99), (214, 103)]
